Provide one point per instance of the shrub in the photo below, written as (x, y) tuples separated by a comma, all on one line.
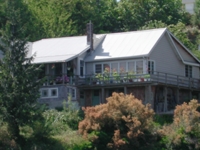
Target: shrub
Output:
[(122, 123), (184, 132)]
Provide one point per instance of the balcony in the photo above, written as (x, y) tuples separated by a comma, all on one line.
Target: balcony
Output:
[(157, 78)]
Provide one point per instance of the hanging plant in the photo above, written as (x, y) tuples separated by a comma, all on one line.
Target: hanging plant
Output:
[(53, 66)]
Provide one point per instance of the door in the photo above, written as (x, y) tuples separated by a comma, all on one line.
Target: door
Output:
[(95, 98)]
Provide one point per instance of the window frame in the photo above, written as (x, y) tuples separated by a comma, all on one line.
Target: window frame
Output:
[(70, 91), (49, 93), (188, 71), (80, 68), (149, 69)]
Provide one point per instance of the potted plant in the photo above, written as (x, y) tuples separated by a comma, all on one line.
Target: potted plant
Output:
[(99, 78), (131, 76), (147, 77), (116, 76)]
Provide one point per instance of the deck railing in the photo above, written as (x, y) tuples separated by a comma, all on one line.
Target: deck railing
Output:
[(126, 78)]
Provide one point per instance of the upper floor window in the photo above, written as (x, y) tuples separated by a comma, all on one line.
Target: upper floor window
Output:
[(136, 67), (188, 71), (98, 68)]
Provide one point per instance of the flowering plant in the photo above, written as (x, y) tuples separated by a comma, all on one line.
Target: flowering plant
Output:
[(62, 78)]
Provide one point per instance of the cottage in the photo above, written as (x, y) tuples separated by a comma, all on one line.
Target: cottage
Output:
[(153, 65)]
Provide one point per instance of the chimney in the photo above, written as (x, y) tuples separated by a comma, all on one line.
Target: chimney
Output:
[(89, 28)]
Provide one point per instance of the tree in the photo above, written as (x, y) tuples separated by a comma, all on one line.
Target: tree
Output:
[(19, 85)]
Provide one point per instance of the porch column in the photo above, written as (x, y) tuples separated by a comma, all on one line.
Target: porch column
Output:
[(148, 96), (198, 98), (190, 95), (63, 71), (102, 96), (47, 73), (125, 90), (165, 98), (177, 95)]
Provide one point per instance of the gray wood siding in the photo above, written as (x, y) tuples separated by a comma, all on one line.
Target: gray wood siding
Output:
[(196, 73), (165, 58), (89, 68), (185, 55)]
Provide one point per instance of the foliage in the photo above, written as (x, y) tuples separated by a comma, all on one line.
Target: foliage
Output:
[(184, 132), (122, 123), (19, 83)]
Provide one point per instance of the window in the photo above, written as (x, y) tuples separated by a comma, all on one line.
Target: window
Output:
[(122, 67), (136, 66), (106, 68), (72, 92), (81, 67), (188, 71), (44, 93), (114, 67), (139, 67), (98, 68), (131, 66), (150, 67), (49, 92)]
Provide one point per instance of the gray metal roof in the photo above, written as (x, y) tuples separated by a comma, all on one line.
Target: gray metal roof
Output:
[(126, 44), (58, 49)]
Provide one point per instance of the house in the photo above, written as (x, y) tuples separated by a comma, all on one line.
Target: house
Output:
[(153, 65), (189, 5)]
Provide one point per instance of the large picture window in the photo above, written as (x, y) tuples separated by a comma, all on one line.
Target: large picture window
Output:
[(188, 71), (136, 66)]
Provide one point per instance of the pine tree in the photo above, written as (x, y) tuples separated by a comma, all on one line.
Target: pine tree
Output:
[(19, 83)]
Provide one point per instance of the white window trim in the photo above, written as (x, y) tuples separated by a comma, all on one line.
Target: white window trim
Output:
[(49, 93)]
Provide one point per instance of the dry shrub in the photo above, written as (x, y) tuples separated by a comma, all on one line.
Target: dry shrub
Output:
[(184, 132), (123, 118)]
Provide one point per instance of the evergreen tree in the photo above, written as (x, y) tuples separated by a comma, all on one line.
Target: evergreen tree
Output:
[(19, 83)]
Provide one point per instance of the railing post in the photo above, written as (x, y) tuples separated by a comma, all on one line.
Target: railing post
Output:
[(48, 80), (63, 78), (177, 80), (165, 78), (189, 83)]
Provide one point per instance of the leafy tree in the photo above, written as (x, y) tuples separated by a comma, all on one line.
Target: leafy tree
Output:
[(181, 32), (19, 85)]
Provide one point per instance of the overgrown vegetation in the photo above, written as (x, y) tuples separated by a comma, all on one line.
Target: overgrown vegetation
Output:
[(124, 123)]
